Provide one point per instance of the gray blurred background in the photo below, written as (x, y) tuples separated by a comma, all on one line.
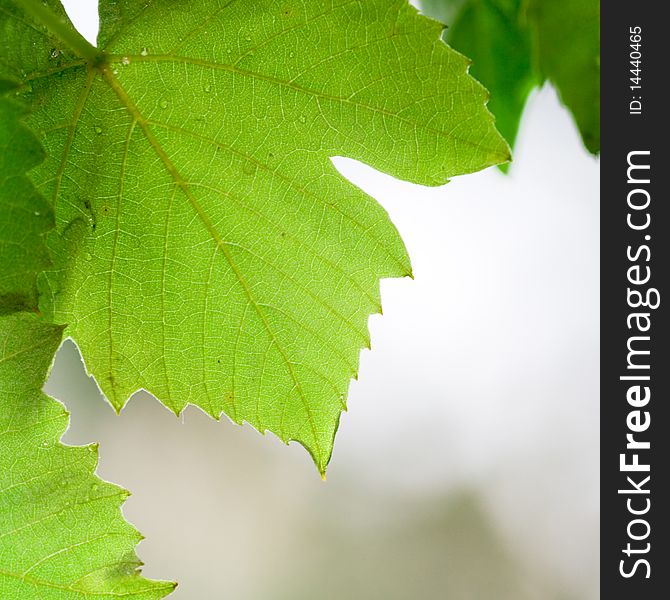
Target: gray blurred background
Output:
[(467, 465)]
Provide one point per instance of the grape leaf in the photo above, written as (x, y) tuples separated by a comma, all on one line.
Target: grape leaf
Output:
[(62, 535), (207, 249), (567, 48), (25, 216), (486, 31), (518, 44)]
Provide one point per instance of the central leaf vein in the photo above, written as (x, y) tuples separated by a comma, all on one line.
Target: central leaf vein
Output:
[(221, 244)]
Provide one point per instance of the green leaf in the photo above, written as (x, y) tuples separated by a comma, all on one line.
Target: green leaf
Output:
[(518, 44), (485, 31), (566, 35), (25, 215), (62, 535), (221, 260)]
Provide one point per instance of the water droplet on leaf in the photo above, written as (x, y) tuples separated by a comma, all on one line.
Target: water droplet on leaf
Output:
[(164, 103), (97, 129)]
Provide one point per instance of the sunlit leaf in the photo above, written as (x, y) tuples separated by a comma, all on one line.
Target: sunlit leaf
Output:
[(207, 249), (62, 535), (25, 216)]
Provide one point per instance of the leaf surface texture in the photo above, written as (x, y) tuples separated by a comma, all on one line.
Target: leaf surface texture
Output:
[(62, 535), (25, 216), (207, 250)]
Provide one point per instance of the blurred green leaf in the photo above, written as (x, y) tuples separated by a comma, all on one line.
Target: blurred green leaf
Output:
[(485, 31), (518, 44), (220, 259), (566, 39), (62, 535)]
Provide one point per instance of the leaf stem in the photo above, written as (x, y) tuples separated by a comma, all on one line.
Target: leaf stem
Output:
[(61, 28)]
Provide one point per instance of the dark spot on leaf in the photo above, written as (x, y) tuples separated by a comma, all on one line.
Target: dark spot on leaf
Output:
[(12, 302)]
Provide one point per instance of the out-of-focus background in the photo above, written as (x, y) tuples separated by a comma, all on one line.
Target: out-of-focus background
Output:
[(467, 465)]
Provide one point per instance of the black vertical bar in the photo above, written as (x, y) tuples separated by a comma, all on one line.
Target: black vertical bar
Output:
[(635, 243)]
